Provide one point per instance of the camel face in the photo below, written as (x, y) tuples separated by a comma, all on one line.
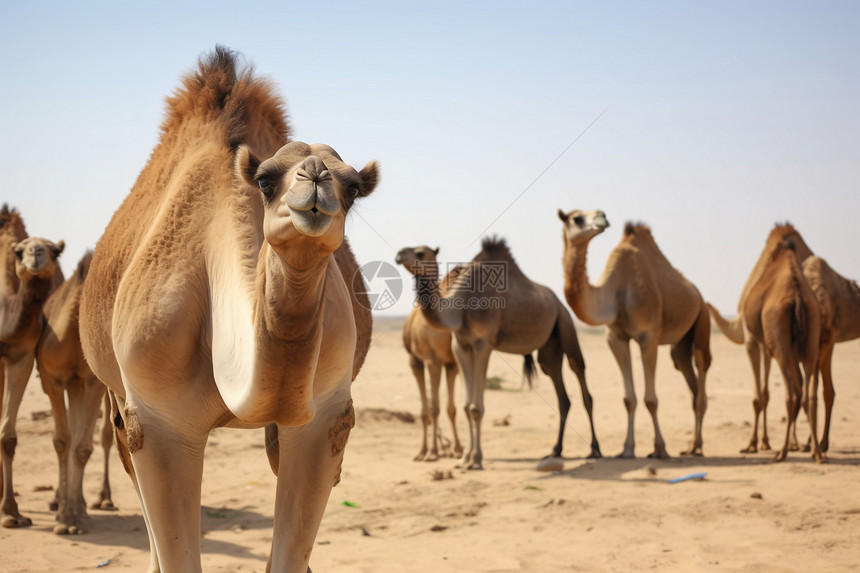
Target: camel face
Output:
[(582, 226), (418, 260), (307, 190), (36, 256)]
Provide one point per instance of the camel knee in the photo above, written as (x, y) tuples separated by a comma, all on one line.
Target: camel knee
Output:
[(82, 454), (61, 446), (452, 411), (434, 411), (630, 404), (475, 413), (8, 445), (651, 404)]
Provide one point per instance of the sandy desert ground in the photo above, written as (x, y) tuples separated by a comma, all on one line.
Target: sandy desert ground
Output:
[(594, 515)]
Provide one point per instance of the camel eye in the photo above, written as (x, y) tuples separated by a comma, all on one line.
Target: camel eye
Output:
[(264, 184), (578, 220)]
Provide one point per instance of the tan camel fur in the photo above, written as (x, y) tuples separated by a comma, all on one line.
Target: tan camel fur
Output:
[(222, 294), (781, 313), (758, 357), (640, 296), (429, 348), (64, 371), (29, 273), (489, 304), (839, 306)]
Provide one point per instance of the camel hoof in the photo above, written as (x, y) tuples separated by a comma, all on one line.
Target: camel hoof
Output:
[(432, 458), (696, 453), (104, 505), (419, 457), (806, 448), (659, 455), (12, 521), (63, 529), (765, 446), (780, 456), (551, 464), (820, 459), (475, 466), (595, 454), (625, 456), (750, 449)]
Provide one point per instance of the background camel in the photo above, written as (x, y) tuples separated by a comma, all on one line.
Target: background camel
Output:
[(430, 348), (221, 294), (29, 272), (640, 296), (781, 313), (63, 370), (839, 306), (489, 304), (735, 331)]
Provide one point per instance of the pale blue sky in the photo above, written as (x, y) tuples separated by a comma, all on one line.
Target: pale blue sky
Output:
[(719, 118)]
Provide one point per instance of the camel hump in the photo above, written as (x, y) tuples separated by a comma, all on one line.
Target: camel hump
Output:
[(225, 87)]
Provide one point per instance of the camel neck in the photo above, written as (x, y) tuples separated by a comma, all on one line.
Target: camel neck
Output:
[(582, 297), (293, 299), (24, 309), (438, 310)]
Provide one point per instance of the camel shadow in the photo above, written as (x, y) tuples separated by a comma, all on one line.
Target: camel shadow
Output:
[(620, 469), (118, 530)]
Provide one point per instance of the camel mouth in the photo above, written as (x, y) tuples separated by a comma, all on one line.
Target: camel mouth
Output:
[(312, 222)]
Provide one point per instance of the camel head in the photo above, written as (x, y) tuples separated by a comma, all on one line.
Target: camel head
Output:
[(582, 226), (307, 191), (420, 261), (36, 257)]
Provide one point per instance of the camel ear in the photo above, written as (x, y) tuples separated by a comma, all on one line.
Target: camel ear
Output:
[(369, 177), (562, 216), (18, 250), (246, 164), (436, 252), (58, 248)]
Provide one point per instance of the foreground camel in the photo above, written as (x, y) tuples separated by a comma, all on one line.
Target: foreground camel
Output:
[(489, 304), (430, 348), (781, 314), (640, 296), (221, 294), (29, 273), (63, 370), (735, 331), (839, 306)]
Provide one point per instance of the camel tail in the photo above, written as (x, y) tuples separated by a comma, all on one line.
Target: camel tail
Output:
[(732, 329), (529, 368)]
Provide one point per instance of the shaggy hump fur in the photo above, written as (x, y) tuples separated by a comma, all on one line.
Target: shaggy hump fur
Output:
[(227, 88)]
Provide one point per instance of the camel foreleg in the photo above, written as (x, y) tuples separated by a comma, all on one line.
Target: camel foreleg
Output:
[(310, 465)]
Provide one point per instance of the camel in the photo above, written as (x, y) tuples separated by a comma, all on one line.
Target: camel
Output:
[(29, 272), (781, 313), (63, 370), (223, 293), (734, 330), (429, 348), (839, 307), (489, 304), (640, 296)]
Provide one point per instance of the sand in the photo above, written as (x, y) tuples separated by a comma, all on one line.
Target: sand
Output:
[(391, 514)]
